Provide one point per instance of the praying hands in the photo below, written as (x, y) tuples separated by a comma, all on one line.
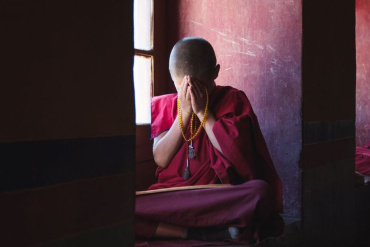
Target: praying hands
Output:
[(193, 96), (184, 94)]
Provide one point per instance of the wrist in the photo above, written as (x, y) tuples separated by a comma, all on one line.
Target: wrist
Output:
[(186, 117), (200, 115)]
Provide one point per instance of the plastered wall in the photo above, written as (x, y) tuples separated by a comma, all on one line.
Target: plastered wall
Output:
[(363, 72)]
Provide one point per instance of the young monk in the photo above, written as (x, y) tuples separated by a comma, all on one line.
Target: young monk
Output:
[(208, 134)]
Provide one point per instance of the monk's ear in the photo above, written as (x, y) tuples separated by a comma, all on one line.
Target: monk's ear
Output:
[(217, 70)]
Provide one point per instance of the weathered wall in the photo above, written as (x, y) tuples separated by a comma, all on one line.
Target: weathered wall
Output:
[(362, 195), (67, 123), (329, 81), (363, 72), (258, 45)]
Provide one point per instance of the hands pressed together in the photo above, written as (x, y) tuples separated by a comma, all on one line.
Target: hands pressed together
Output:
[(192, 96)]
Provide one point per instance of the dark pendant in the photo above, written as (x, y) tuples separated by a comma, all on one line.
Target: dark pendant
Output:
[(191, 152), (186, 174)]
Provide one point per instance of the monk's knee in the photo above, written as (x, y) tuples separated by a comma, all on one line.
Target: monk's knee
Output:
[(260, 188), (261, 193), (264, 194)]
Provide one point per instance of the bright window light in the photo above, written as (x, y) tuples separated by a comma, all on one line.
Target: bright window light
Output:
[(143, 59), (142, 84), (143, 24)]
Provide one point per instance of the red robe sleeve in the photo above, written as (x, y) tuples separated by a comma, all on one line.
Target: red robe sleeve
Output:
[(242, 143), (164, 113)]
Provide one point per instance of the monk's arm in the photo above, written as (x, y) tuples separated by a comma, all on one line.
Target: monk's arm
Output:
[(167, 144), (208, 126)]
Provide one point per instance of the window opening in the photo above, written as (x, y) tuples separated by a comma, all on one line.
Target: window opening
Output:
[(143, 59)]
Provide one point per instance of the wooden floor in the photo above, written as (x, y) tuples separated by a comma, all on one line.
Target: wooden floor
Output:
[(274, 242), (290, 238)]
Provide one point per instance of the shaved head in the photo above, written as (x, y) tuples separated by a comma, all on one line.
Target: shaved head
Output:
[(193, 56)]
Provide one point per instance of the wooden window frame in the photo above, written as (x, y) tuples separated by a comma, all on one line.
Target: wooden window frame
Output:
[(145, 165)]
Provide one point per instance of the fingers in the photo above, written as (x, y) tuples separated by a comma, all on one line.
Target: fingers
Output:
[(196, 88), (184, 95), (198, 99), (183, 87), (188, 93), (187, 88)]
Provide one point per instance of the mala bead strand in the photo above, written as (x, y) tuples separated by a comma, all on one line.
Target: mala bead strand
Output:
[(192, 120), (191, 151)]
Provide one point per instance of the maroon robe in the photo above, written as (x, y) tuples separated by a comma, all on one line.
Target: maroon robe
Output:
[(245, 158), (245, 155), (248, 206), (363, 159)]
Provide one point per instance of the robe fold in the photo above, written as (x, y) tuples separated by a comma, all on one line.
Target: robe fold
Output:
[(363, 160), (245, 163), (248, 206)]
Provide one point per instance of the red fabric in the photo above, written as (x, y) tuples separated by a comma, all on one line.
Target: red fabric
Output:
[(245, 154), (247, 206), (363, 159)]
